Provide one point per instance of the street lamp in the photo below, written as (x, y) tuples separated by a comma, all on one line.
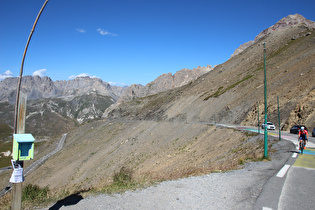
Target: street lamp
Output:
[(265, 91)]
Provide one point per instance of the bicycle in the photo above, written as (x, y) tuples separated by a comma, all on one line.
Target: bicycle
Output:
[(302, 145)]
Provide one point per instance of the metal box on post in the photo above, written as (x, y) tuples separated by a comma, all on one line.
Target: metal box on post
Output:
[(23, 146)]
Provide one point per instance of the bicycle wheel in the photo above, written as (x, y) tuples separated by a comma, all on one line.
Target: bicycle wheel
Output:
[(302, 146)]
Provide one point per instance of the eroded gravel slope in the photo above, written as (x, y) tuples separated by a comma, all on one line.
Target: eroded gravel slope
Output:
[(237, 189)]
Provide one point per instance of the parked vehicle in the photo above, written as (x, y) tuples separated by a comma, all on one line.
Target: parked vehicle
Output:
[(269, 126), (313, 132), (296, 128)]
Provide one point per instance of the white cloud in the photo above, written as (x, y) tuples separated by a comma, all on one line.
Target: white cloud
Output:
[(81, 30), (82, 75), (105, 33), (6, 74), (41, 72), (117, 84)]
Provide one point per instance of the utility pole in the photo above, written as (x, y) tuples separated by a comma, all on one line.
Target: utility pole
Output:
[(265, 93)]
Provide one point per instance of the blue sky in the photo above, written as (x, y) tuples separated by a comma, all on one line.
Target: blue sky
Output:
[(131, 41)]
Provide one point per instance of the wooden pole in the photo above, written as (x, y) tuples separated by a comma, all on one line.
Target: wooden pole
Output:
[(19, 118), (17, 187), (22, 66)]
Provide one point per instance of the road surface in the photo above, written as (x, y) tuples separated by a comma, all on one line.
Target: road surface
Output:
[(293, 187)]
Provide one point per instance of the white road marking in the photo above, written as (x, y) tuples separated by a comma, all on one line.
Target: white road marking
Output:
[(294, 155), (266, 208), (283, 171)]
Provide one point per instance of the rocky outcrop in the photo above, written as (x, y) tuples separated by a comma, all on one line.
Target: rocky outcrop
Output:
[(164, 82)]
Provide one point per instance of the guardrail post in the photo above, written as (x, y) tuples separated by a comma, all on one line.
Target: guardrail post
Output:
[(279, 119)]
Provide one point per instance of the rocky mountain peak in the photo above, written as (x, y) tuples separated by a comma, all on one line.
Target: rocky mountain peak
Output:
[(289, 21), (164, 82)]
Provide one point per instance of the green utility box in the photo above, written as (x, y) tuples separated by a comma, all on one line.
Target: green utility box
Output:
[(23, 146)]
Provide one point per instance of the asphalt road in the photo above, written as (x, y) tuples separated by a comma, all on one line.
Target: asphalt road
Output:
[(293, 187)]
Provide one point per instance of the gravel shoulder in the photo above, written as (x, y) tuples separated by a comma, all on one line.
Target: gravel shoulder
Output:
[(237, 189)]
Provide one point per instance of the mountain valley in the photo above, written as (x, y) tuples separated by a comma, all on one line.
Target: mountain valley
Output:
[(166, 129)]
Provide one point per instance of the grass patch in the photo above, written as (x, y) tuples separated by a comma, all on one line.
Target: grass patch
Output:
[(123, 177), (241, 161), (250, 134), (122, 181), (215, 95), (237, 83), (34, 193)]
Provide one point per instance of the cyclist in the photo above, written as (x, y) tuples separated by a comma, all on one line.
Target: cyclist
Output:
[(303, 134)]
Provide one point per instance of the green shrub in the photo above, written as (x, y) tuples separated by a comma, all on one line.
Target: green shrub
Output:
[(34, 193), (122, 181), (123, 177)]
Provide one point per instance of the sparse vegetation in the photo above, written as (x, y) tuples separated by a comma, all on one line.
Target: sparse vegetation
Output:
[(122, 181), (221, 89), (123, 177), (33, 193)]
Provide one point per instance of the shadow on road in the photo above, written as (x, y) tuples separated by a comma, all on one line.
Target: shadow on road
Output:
[(68, 201)]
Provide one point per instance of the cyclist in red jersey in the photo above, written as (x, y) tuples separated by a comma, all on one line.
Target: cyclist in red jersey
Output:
[(303, 134)]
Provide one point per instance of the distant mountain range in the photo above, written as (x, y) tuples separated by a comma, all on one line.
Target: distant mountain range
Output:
[(80, 99), (43, 87)]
